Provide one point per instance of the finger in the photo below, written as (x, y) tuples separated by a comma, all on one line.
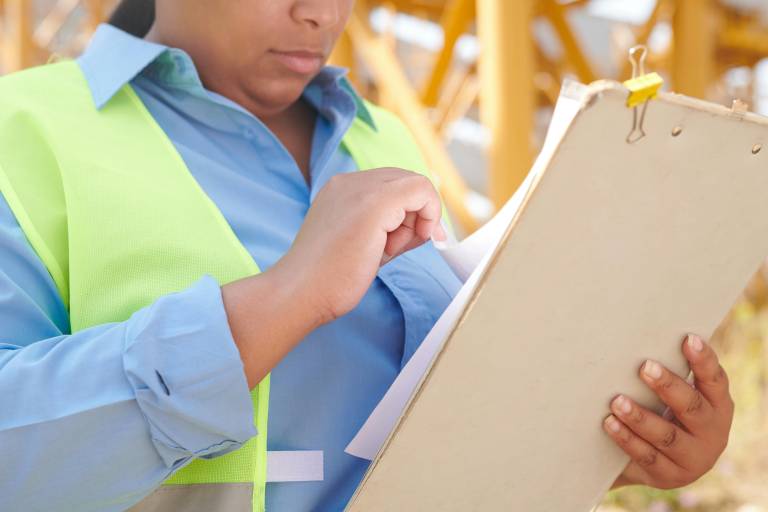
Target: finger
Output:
[(709, 376), (382, 174), (657, 465), (415, 193), (428, 222), (690, 407), (663, 435), (413, 243), (402, 238), (439, 234)]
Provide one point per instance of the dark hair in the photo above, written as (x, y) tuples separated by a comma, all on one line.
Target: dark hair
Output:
[(134, 16)]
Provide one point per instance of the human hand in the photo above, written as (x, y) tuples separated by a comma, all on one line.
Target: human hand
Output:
[(670, 453), (358, 222)]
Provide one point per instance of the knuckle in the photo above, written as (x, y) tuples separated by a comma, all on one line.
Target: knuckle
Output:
[(624, 437), (648, 458), (666, 382), (669, 439), (719, 377), (638, 415), (419, 178), (696, 404)]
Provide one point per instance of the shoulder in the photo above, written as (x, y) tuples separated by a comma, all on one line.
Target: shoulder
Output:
[(384, 120), (43, 85)]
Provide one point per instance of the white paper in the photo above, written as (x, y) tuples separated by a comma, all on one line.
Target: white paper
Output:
[(468, 260)]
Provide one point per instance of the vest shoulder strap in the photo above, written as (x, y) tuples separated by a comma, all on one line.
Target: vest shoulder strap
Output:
[(29, 177), (388, 144)]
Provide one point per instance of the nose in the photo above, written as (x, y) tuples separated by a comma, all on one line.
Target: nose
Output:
[(318, 14)]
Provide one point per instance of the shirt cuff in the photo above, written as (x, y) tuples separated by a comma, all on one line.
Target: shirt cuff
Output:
[(185, 369)]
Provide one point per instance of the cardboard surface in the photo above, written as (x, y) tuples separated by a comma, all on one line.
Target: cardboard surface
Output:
[(619, 251), (468, 260)]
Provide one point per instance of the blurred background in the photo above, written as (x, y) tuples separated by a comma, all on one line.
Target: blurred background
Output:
[(476, 81)]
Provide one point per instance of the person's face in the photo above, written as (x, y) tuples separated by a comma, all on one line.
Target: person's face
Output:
[(271, 49)]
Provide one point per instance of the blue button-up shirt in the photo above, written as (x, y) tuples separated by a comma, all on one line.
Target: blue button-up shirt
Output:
[(81, 427)]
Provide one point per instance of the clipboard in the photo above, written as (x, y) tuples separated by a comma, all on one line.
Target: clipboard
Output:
[(625, 242)]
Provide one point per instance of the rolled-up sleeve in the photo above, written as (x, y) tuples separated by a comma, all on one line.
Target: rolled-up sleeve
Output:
[(186, 374), (97, 419)]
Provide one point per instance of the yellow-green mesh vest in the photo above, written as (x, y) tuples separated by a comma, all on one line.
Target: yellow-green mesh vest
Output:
[(114, 214)]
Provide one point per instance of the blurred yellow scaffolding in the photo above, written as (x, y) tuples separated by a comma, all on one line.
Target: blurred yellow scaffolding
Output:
[(27, 37), (513, 78)]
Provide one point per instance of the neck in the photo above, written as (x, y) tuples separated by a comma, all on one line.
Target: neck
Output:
[(295, 127)]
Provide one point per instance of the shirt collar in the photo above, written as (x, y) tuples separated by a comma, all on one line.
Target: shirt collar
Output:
[(114, 58)]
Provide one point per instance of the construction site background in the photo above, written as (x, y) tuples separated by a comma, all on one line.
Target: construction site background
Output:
[(476, 81)]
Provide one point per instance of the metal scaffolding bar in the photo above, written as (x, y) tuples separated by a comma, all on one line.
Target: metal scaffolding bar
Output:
[(694, 47), (456, 19), (19, 49), (398, 94), (556, 14), (508, 94), (96, 13)]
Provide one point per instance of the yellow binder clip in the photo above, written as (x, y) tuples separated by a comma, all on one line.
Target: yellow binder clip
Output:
[(642, 87)]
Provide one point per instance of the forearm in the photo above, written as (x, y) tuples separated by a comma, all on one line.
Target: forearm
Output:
[(268, 314)]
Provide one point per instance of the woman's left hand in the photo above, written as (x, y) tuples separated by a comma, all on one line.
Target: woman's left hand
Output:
[(672, 453)]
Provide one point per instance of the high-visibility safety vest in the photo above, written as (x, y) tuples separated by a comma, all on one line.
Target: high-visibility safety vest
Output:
[(112, 211)]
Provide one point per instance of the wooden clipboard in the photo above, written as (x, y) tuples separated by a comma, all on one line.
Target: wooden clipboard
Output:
[(619, 251)]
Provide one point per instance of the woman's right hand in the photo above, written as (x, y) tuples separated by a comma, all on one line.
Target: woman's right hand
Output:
[(358, 222)]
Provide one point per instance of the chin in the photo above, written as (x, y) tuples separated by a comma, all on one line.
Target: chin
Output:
[(279, 96)]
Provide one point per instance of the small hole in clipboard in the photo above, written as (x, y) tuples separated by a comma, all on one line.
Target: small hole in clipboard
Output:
[(756, 148)]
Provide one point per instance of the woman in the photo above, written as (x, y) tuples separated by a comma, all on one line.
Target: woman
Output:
[(140, 306)]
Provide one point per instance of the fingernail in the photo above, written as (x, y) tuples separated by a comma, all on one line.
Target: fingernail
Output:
[(695, 343), (612, 424), (622, 405), (652, 369), (439, 233)]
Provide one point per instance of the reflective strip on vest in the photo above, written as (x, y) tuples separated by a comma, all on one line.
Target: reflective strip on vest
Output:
[(198, 498), (282, 466), (295, 466)]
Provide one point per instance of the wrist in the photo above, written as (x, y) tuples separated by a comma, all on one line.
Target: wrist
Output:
[(296, 291), (268, 317)]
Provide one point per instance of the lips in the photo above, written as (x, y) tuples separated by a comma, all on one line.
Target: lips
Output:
[(303, 62)]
